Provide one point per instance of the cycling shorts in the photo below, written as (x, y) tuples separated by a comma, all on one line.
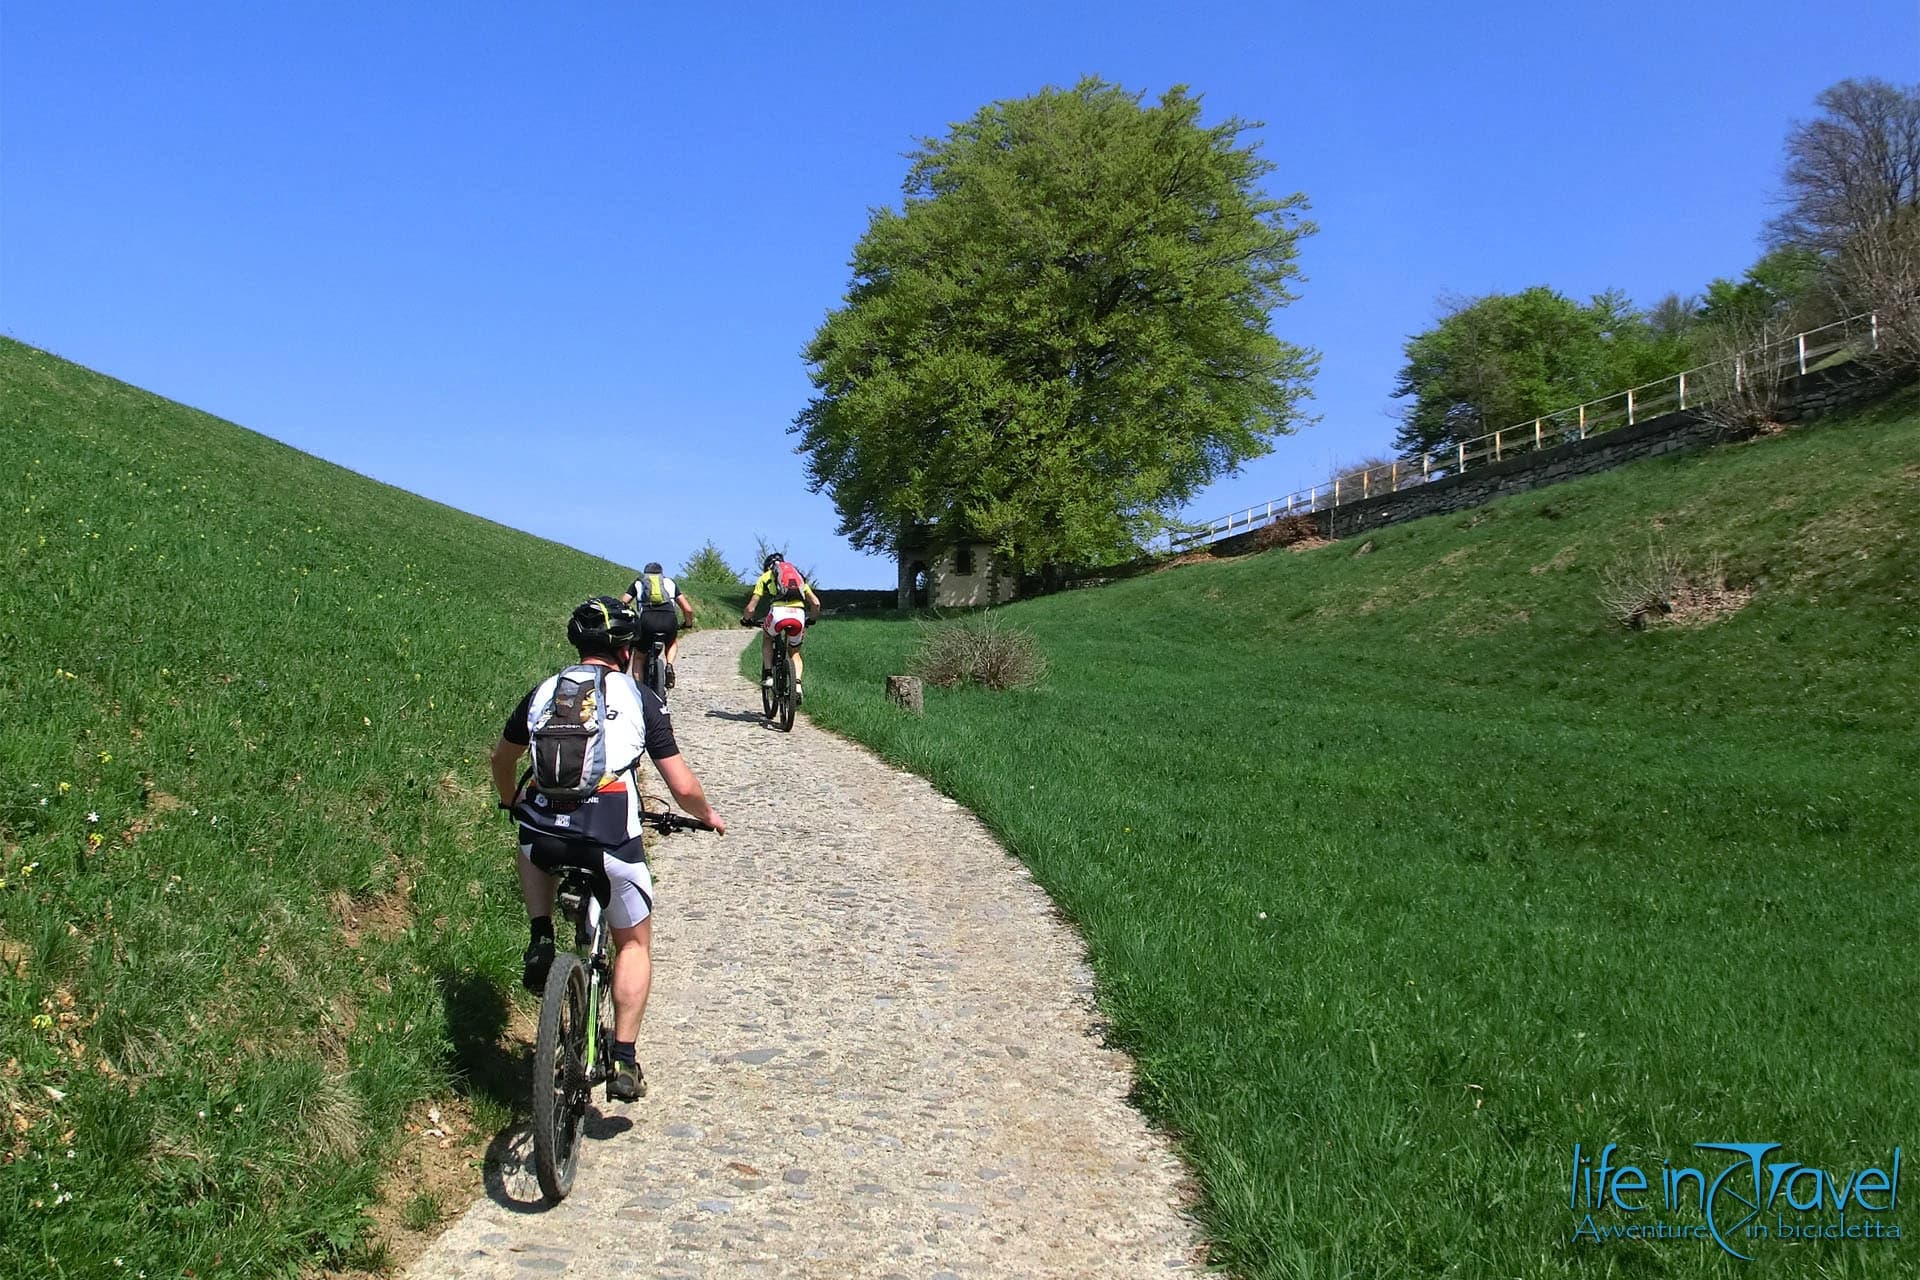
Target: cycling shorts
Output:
[(620, 875), (658, 620), (779, 613)]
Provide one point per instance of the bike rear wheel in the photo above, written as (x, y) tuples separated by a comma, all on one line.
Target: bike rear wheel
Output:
[(783, 688), (560, 1087), (652, 670)]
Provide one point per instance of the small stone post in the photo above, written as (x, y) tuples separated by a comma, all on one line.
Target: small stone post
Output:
[(907, 691)]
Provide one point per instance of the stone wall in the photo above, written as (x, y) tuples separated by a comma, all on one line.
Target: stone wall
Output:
[(845, 599)]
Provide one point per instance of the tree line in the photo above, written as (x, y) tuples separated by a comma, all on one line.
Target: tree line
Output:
[(1847, 240)]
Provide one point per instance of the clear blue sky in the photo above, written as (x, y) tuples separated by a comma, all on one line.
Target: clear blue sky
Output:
[(445, 244)]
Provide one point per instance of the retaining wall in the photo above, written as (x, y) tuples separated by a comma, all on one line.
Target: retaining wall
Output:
[(1803, 397)]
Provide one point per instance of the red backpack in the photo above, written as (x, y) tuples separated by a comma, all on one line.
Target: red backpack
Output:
[(793, 588)]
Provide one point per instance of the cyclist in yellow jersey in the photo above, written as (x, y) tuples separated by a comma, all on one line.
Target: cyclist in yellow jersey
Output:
[(790, 599)]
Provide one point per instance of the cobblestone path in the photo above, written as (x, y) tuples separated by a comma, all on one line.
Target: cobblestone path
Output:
[(870, 1046)]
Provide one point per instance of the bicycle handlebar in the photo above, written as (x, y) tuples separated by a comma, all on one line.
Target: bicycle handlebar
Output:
[(666, 820)]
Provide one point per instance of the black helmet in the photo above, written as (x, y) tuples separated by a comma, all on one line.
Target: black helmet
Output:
[(773, 558), (601, 625), (653, 566)]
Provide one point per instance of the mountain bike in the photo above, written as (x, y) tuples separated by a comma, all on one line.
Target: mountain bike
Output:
[(573, 1049), (653, 667), (777, 701)]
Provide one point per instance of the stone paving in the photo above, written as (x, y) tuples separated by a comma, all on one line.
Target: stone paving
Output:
[(871, 1048)]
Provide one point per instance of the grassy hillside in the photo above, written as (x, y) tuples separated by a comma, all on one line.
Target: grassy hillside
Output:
[(1404, 868), (254, 898)]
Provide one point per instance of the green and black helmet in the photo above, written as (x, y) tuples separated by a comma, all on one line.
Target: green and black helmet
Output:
[(601, 625)]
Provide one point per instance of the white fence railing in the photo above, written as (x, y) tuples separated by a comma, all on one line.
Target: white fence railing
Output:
[(1798, 354)]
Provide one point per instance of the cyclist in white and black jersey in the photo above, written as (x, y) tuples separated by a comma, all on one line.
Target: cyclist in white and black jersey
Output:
[(602, 832), (661, 605)]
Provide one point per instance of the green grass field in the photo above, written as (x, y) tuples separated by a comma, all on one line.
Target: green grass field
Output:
[(249, 698), (1404, 869)]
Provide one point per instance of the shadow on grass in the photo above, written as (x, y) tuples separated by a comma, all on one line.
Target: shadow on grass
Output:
[(483, 1067), (496, 1074)]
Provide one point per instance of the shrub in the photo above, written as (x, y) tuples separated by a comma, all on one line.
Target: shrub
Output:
[(1741, 387), (1661, 586), (986, 652)]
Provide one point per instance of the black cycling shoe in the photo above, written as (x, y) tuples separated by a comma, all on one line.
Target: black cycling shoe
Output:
[(669, 675), (627, 1083), (534, 963)]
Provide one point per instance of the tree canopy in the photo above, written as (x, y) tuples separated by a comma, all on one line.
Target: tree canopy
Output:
[(1064, 333), (1495, 361), (1772, 289), (1853, 168)]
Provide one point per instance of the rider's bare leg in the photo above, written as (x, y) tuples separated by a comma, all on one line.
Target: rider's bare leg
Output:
[(536, 888), (632, 977)]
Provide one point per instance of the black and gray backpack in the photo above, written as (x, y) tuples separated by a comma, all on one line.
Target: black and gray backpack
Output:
[(569, 736)]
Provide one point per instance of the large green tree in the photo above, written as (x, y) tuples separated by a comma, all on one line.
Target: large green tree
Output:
[(1063, 334), (1499, 360), (1778, 289)]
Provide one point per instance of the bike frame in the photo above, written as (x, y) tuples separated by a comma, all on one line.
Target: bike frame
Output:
[(599, 977), (652, 667), (592, 924)]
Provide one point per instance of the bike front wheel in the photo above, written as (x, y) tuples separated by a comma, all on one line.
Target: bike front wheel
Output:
[(560, 1085)]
